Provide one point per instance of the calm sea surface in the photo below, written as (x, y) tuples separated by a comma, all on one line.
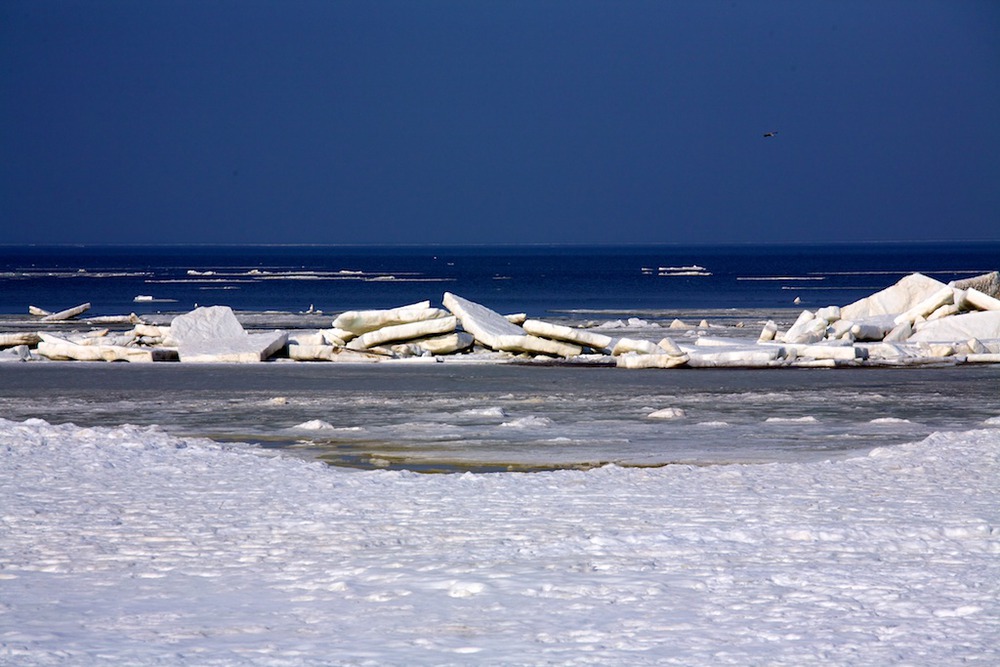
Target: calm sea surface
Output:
[(535, 279)]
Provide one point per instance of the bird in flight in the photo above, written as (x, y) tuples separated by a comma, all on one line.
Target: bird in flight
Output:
[(769, 134)]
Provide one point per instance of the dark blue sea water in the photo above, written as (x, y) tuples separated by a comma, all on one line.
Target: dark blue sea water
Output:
[(533, 279)]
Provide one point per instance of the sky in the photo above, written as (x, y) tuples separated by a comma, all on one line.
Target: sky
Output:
[(507, 121)]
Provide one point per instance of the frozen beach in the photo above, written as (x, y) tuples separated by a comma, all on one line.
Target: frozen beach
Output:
[(814, 510), (132, 546)]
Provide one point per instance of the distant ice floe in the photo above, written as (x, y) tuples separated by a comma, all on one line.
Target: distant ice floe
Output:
[(264, 274), (148, 298), (69, 273), (676, 271), (667, 413), (890, 420), (495, 412), (528, 422), (809, 419), (315, 425)]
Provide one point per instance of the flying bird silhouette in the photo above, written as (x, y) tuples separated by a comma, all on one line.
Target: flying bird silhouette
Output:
[(769, 134)]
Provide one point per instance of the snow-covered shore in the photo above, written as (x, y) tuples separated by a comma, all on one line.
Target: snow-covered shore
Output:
[(130, 546)]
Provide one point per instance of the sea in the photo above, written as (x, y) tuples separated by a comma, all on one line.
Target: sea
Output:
[(468, 511), (539, 280), (473, 417)]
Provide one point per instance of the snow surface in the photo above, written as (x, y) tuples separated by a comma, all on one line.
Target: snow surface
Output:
[(130, 546)]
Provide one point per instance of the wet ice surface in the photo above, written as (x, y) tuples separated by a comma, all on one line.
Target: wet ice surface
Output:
[(446, 417), (131, 546)]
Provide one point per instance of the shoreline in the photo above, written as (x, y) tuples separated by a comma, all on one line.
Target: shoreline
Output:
[(917, 321)]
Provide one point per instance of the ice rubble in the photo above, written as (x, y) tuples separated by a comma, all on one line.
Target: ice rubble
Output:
[(916, 321)]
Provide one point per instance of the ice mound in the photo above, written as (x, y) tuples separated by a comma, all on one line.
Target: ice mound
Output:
[(667, 413), (528, 422), (315, 425), (488, 413)]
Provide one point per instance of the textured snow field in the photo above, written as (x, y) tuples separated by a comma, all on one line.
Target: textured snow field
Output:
[(131, 546)]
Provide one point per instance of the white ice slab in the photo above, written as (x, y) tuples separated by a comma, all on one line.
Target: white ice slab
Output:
[(60, 350), (633, 360), (213, 335), (807, 329), (18, 338), (626, 345), (330, 353), (205, 324), (448, 344), (746, 358), (568, 334), (668, 345), (67, 314), (925, 307), (768, 332), (873, 328), (667, 413), (898, 298), (362, 321), (831, 314), (834, 352), (495, 331), (248, 349), (402, 332), (980, 300), (959, 328), (306, 338), (711, 341), (985, 358)]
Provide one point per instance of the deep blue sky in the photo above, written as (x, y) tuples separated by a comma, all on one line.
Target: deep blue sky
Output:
[(565, 121)]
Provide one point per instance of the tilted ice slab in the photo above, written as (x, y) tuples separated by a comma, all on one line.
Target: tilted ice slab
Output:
[(898, 298), (19, 338), (981, 325), (212, 334), (401, 332), (67, 314), (206, 324), (568, 334), (447, 344), (641, 346), (497, 332), (362, 321)]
